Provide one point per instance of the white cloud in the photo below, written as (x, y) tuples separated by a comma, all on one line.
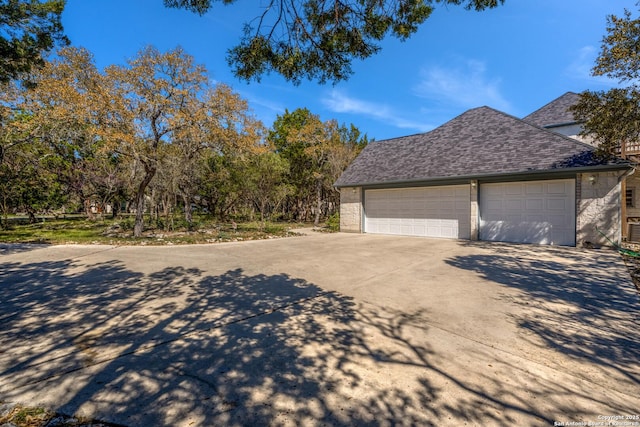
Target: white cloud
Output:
[(339, 102), (581, 66), (466, 85), (275, 107)]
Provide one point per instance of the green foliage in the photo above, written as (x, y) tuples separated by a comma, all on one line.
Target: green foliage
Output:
[(317, 153), (300, 174), (153, 137), (317, 39), (28, 181), (619, 56), (333, 222), (613, 117), (126, 224), (610, 117), (222, 182), (265, 181), (28, 28)]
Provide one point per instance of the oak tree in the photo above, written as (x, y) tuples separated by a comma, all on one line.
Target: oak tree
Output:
[(54, 119), (153, 92), (317, 153), (28, 29), (318, 39), (613, 117), (265, 182)]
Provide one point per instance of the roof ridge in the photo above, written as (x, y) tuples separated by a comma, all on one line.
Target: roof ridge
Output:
[(435, 128), (550, 102), (555, 111), (528, 123), (481, 141), (486, 107)]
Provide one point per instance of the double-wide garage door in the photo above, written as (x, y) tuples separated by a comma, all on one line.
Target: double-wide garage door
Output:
[(529, 212), (523, 212), (423, 211)]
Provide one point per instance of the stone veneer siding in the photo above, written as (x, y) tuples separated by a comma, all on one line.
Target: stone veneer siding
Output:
[(474, 218), (598, 205), (351, 209)]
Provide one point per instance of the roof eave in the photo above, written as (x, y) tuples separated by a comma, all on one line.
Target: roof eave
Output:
[(492, 176), (557, 125)]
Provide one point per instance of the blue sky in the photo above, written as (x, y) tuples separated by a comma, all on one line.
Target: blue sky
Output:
[(514, 58)]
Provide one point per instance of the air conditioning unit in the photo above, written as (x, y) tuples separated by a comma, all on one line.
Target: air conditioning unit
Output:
[(633, 232)]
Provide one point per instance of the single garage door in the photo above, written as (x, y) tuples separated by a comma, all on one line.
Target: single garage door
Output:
[(541, 212), (422, 211)]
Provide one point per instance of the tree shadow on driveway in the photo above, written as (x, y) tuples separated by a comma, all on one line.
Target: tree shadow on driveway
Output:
[(183, 347), (574, 303), (15, 248)]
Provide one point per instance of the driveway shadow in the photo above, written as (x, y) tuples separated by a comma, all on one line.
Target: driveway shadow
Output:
[(15, 248), (183, 347), (579, 303)]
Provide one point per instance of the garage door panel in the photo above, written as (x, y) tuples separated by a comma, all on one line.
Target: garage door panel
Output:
[(557, 188), (534, 204), (557, 205), (425, 211), (460, 206), (515, 204), (463, 192), (446, 206), (533, 189), (512, 191), (528, 212)]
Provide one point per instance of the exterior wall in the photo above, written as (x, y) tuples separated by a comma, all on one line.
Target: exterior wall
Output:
[(573, 131), (475, 220), (598, 205), (633, 183), (351, 209)]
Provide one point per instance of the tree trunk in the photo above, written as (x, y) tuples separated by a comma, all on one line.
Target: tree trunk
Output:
[(87, 209), (32, 215), (166, 212), (115, 208), (138, 228), (316, 221), (188, 214), (262, 209), (5, 214)]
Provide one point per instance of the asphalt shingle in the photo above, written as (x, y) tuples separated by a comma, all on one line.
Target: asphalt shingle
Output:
[(479, 142), (556, 112)]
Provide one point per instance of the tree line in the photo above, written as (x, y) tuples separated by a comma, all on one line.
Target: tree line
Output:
[(155, 135)]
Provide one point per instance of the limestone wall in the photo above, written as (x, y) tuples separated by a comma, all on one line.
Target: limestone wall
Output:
[(598, 206), (351, 209)]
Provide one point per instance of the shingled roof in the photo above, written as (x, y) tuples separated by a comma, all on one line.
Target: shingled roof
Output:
[(556, 112), (480, 142)]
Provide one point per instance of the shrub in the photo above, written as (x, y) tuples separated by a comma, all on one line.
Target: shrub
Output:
[(333, 222)]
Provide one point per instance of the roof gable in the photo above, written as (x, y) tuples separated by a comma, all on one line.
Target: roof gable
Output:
[(479, 142), (556, 112)]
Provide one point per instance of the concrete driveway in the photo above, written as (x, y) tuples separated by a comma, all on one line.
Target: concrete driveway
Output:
[(326, 329)]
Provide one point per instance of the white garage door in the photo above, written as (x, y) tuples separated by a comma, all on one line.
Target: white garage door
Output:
[(423, 211), (529, 212)]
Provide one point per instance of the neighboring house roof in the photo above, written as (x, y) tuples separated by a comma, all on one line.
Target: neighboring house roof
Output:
[(481, 142), (556, 112)]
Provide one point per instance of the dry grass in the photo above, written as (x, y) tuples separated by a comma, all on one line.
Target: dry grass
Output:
[(119, 232), (25, 416)]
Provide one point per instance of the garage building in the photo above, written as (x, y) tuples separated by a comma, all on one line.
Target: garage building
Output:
[(485, 175)]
